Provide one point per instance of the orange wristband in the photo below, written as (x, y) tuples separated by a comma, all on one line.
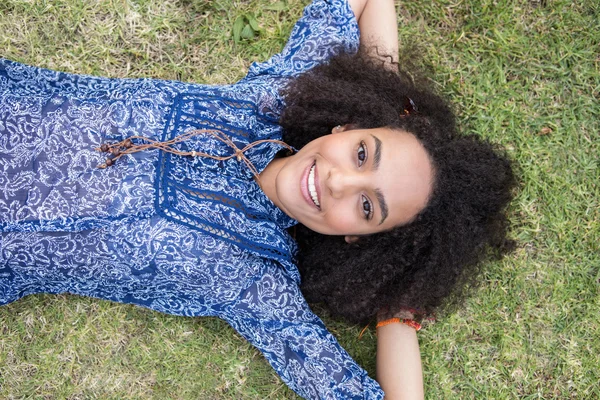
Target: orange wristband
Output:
[(410, 322)]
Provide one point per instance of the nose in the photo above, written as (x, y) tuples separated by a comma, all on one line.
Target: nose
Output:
[(343, 182)]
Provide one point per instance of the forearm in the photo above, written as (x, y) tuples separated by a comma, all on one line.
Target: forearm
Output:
[(378, 26), (399, 369)]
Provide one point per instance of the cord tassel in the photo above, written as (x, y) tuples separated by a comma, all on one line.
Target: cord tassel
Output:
[(127, 146)]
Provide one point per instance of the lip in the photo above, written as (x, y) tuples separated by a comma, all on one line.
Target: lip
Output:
[(304, 186)]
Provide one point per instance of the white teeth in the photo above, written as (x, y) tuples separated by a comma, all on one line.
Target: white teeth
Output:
[(311, 186)]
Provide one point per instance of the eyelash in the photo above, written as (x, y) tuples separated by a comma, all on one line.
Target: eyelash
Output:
[(367, 206)]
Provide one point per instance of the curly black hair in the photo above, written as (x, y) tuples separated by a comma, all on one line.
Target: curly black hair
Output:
[(428, 263)]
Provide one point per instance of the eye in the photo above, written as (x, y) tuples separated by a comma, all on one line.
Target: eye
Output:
[(361, 153), (367, 207)]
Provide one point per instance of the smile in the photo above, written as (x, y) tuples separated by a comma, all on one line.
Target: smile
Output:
[(311, 186)]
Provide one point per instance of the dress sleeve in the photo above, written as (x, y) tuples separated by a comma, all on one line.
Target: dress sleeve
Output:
[(272, 314), (326, 28)]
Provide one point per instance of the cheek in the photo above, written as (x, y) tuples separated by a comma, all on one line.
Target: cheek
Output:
[(342, 221)]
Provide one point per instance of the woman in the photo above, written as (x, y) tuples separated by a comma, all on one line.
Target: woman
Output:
[(201, 230)]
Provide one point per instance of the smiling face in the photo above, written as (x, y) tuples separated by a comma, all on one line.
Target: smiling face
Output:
[(353, 182)]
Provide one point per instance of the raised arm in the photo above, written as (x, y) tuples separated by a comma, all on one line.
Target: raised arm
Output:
[(378, 26), (399, 369)]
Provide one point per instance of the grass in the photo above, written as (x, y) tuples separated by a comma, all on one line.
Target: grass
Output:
[(524, 74)]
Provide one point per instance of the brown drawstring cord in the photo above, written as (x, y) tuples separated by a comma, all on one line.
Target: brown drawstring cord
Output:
[(127, 147)]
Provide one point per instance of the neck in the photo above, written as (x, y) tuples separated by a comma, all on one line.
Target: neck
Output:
[(268, 178)]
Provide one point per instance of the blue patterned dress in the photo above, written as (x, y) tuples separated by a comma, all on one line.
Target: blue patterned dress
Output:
[(192, 237)]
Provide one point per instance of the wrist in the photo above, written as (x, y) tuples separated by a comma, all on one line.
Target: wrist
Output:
[(404, 321)]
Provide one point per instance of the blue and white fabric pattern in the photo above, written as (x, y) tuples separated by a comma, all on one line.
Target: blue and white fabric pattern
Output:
[(180, 235)]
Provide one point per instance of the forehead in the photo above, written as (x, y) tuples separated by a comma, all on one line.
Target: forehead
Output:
[(404, 176)]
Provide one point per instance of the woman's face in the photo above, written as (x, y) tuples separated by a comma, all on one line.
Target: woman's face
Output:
[(352, 182)]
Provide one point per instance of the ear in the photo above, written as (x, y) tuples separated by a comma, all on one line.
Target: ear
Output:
[(340, 128), (351, 238)]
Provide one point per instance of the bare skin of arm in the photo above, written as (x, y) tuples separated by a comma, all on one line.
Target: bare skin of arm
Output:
[(399, 370), (378, 26)]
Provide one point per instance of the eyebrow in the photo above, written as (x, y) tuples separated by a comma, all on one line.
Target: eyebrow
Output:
[(377, 157), (380, 199), (382, 205)]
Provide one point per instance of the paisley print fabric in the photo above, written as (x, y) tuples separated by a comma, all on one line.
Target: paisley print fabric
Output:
[(180, 235)]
